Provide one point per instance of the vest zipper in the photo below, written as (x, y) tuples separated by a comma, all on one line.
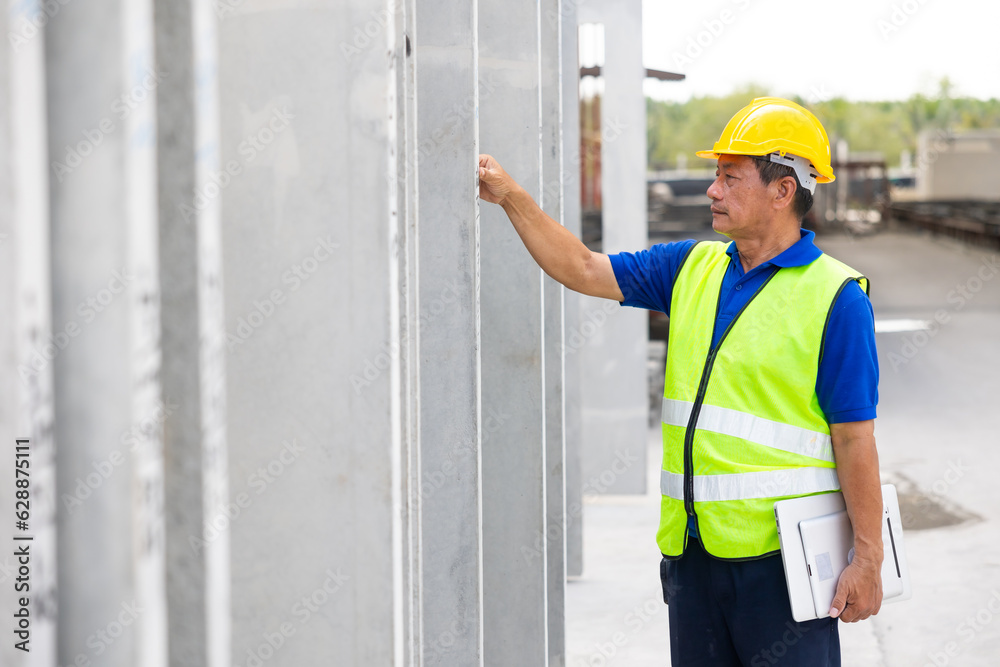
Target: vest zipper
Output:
[(700, 398), (689, 431)]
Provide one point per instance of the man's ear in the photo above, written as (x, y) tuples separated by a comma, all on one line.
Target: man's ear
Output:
[(784, 192)]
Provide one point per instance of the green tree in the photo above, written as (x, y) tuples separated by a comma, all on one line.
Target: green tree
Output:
[(888, 127)]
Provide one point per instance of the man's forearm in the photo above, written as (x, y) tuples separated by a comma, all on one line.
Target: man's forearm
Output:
[(857, 468), (560, 254)]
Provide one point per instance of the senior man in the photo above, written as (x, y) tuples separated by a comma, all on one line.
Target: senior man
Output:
[(770, 390)]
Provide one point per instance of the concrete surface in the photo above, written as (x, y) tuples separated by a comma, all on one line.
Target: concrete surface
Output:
[(554, 335), (193, 336), (306, 214), (101, 146), (570, 179), (513, 362), (938, 395), (442, 232), (26, 400), (614, 355)]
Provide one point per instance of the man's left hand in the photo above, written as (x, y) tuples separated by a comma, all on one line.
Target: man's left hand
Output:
[(859, 591)]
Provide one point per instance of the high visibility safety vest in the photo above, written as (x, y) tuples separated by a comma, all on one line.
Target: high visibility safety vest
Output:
[(742, 424)]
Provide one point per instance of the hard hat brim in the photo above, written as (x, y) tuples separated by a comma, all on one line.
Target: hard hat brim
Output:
[(714, 155)]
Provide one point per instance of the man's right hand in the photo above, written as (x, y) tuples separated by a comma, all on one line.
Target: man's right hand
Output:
[(553, 247), (495, 184)]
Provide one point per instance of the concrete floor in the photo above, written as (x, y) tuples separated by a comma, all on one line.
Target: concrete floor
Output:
[(939, 389)]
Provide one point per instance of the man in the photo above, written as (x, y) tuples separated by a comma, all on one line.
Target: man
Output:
[(770, 390)]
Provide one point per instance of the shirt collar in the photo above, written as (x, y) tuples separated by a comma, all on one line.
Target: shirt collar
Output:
[(803, 252)]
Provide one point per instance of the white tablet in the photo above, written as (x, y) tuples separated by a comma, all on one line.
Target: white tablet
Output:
[(817, 545), (827, 546)]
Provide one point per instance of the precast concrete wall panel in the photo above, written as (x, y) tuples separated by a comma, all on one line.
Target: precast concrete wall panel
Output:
[(615, 403), (188, 168), (445, 277), (312, 321), (405, 181), (101, 89), (552, 202), (27, 345), (573, 339), (513, 364)]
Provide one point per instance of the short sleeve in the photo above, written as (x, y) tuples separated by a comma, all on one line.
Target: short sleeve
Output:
[(847, 383), (646, 278)]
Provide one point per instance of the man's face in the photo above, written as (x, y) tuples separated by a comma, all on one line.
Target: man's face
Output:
[(740, 202)]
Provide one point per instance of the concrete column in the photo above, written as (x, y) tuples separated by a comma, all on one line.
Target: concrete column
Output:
[(405, 183), (614, 388), (313, 331), (513, 364), (101, 124), (574, 341), (441, 161), (26, 345), (193, 340), (551, 201)]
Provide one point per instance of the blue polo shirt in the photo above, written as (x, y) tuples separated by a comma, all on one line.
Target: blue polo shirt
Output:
[(847, 382)]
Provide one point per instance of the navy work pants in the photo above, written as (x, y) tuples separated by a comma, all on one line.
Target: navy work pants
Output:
[(726, 613)]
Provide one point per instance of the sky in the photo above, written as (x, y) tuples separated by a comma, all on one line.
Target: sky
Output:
[(858, 49)]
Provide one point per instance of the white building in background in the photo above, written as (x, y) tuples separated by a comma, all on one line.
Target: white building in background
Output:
[(958, 165)]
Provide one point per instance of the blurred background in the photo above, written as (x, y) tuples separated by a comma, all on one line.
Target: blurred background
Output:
[(277, 389)]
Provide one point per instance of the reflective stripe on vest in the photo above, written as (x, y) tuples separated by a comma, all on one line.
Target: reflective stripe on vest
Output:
[(749, 427), (742, 426), (751, 485)]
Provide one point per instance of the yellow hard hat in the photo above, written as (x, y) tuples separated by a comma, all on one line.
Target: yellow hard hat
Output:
[(779, 128)]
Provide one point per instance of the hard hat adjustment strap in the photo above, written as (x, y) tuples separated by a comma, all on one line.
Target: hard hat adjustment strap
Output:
[(803, 168)]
